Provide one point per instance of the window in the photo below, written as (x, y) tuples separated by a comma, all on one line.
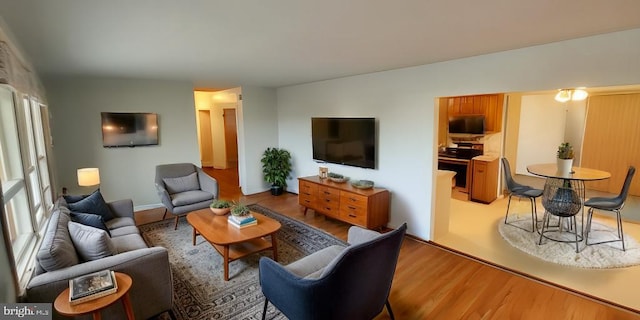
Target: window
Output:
[(26, 187)]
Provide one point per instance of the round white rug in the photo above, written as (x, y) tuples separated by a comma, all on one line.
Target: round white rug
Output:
[(608, 255)]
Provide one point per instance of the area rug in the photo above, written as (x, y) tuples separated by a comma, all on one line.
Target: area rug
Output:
[(608, 255), (200, 291)]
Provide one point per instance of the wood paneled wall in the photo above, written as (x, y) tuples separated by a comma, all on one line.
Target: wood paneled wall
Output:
[(612, 140)]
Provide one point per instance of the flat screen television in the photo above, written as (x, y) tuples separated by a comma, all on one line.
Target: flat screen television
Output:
[(121, 129), (348, 141), (471, 124)]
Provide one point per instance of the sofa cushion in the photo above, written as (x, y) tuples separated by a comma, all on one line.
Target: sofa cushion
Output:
[(95, 204), (313, 265), (122, 231), (129, 242), (116, 223), (182, 184), (90, 243), (190, 197), (57, 250), (92, 220)]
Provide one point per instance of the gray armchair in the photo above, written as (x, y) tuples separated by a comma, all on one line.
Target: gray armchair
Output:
[(337, 282), (184, 187)]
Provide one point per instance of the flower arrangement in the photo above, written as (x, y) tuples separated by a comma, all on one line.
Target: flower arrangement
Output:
[(565, 151)]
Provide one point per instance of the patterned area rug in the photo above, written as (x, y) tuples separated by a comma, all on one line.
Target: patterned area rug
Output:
[(607, 255), (200, 291)]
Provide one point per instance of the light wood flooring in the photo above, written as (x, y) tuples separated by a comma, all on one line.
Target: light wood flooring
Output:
[(435, 283)]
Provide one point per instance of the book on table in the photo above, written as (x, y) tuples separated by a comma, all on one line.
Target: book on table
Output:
[(92, 286), (243, 222)]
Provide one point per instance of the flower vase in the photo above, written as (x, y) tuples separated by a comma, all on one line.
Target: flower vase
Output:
[(565, 166)]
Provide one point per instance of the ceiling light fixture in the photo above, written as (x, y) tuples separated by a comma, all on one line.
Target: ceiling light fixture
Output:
[(565, 95)]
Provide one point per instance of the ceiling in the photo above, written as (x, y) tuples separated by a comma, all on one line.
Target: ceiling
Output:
[(222, 44)]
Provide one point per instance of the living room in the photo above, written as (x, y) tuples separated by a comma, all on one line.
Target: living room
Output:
[(401, 100)]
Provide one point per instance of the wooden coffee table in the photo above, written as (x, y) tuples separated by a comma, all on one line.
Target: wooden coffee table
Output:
[(231, 242)]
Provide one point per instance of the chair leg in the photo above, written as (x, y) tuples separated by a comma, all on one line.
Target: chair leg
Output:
[(176, 226), (389, 310), (588, 226), (506, 216), (264, 309), (165, 213), (545, 222), (534, 215), (575, 230), (620, 233)]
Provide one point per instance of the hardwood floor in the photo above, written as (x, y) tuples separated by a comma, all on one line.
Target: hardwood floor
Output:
[(434, 283)]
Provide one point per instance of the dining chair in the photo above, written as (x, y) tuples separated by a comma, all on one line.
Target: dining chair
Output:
[(520, 191), (614, 204)]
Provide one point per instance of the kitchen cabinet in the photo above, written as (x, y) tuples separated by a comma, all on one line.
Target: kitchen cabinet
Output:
[(484, 179), (489, 105)]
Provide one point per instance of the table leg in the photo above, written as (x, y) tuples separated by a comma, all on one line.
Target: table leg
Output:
[(96, 315), (226, 263), (194, 236), (274, 247), (126, 302)]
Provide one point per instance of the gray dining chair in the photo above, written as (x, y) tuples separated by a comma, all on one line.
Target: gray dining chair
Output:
[(613, 204), (520, 191)]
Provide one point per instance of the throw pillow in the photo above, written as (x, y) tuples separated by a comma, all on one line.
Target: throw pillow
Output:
[(56, 251), (90, 243), (70, 198), (95, 204), (92, 220), (182, 184)]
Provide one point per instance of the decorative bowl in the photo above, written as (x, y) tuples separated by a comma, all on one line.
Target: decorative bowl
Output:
[(362, 184), (220, 211), (339, 180)]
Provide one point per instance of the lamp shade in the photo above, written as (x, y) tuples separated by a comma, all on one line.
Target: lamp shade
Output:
[(88, 177), (563, 95)]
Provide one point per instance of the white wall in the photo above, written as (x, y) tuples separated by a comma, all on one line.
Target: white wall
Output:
[(75, 105), (403, 102), (257, 130)]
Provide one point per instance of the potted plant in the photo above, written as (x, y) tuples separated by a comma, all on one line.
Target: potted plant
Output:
[(239, 210), (276, 166), (565, 157), (220, 207)]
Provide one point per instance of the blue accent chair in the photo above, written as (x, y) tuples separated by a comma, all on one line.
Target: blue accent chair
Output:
[(337, 282)]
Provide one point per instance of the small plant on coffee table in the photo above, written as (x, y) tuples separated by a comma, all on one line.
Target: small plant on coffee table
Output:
[(239, 209), (220, 204)]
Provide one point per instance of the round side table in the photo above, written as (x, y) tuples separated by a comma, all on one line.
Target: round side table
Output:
[(94, 307)]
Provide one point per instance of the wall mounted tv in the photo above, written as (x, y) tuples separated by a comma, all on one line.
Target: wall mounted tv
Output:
[(129, 129), (348, 141), (469, 124)]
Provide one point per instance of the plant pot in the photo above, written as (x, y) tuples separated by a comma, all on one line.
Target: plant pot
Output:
[(220, 211), (565, 166), (276, 190)]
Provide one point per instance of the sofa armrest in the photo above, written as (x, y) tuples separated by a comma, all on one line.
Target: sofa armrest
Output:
[(164, 196), (151, 291), (207, 183), (359, 235), (122, 208)]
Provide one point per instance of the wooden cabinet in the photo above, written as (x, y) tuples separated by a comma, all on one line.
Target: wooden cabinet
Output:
[(365, 208), (484, 185), (489, 105)]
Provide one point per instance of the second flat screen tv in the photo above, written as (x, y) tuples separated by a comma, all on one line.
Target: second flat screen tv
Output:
[(121, 129), (348, 141)]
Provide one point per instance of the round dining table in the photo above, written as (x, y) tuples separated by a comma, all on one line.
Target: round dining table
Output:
[(573, 179), (550, 170)]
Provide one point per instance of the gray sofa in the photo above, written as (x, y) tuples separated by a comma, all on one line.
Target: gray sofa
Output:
[(59, 260)]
